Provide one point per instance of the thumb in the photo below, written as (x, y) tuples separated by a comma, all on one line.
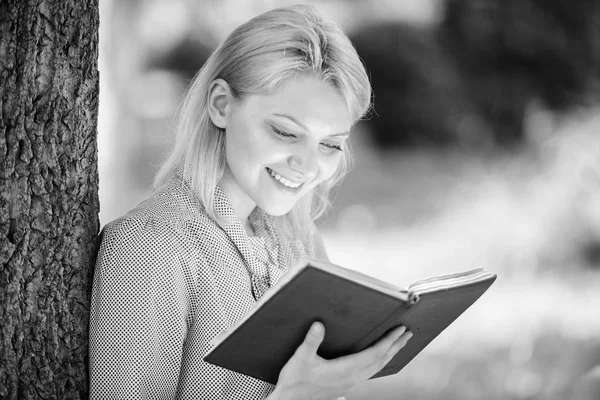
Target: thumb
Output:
[(314, 338)]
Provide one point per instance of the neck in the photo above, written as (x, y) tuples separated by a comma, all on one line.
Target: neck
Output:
[(240, 202)]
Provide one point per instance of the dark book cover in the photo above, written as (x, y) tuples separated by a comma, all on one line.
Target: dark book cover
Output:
[(355, 315)]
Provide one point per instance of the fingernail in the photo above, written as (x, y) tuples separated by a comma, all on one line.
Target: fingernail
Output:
[(317, 328), (409, 334)]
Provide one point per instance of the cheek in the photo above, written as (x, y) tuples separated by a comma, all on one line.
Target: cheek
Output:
[(245, 154), (237, 158), (329, 166)]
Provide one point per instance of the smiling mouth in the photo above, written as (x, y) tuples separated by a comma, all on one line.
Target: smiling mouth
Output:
[(282, 181)]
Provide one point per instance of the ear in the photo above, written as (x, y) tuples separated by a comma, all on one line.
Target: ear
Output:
[(219, 102)]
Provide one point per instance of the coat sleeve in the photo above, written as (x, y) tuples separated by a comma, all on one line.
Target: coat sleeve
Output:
[(138, 312)]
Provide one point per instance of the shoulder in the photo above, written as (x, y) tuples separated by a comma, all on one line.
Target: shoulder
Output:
[(161, 219)]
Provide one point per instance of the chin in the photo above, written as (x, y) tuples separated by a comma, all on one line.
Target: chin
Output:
[(277, 210)]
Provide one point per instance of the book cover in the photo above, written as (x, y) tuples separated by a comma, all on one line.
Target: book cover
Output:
[(356, 310)]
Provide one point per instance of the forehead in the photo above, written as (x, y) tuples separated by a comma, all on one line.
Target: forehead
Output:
[(315, 104)]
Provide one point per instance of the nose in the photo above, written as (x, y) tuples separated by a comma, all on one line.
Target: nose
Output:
[(305, 162)]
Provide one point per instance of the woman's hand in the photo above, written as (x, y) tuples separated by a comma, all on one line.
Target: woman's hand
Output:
[(309, 376)]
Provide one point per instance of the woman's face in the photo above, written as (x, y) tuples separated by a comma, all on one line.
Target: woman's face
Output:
[(281, 145)]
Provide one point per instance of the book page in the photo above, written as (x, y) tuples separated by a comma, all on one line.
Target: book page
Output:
[(443, 282)]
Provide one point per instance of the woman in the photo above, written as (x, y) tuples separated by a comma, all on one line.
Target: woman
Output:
[(261, 139)]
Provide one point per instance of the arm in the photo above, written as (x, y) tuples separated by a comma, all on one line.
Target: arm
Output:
[(137, 324)]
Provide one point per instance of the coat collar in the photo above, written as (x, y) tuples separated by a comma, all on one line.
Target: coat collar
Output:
[(232, 226), (264, 270)]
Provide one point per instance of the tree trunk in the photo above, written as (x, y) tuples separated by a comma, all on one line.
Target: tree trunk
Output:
[(48, 194)]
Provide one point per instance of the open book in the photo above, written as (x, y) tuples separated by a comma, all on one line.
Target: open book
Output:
[(356, 310)]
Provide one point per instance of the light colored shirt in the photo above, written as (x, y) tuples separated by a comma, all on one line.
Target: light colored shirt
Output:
[(168, 279)]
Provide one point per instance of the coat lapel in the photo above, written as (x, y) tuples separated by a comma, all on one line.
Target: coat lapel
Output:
[(233, 227), (259, 276), (263, 226)]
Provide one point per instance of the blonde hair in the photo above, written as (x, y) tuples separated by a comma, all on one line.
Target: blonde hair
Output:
[(256, 58)]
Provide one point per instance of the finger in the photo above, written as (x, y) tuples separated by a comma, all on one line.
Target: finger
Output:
[(313, 339), (380, 348), (390, 354), (400, 343), (375, 352), (397, 346), (397, 332)]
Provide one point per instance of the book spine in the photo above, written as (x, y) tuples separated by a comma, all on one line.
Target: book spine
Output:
[(411, 297)]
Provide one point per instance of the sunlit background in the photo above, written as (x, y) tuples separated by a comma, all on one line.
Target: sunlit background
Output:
[(483, 150)]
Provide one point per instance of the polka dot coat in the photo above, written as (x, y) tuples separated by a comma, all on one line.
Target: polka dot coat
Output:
[(167, 281)]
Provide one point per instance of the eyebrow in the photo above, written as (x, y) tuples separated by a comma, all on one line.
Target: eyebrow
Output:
[(301, 125)]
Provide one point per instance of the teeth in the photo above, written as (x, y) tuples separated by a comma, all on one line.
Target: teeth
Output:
[(283, 180)]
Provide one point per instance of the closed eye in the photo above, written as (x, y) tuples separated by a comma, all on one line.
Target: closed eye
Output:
[(328, 147), (332, 146), (283, 134)]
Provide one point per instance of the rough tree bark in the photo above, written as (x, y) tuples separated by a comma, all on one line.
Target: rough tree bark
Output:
[(48, 194)]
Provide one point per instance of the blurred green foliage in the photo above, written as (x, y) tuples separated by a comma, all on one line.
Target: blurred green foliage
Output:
[(470, 79)]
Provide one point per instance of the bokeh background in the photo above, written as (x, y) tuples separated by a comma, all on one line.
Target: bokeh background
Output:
[(483, 149)]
